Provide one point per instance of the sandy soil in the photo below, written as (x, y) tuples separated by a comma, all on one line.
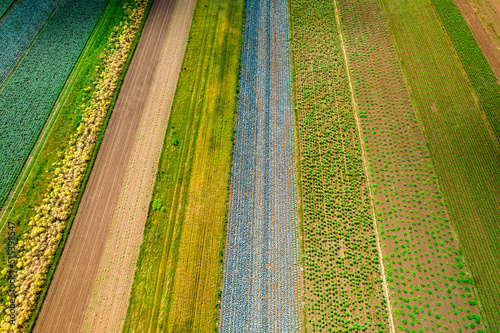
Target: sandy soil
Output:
[(92, 283), (483, 19)]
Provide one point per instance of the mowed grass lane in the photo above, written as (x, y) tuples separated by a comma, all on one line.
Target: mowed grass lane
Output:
[(459, 137), (179, 269)]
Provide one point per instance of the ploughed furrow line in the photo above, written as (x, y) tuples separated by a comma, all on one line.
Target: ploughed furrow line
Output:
[(18, 28), (261, 280), (28, 96), (342, 276), (428, 284)]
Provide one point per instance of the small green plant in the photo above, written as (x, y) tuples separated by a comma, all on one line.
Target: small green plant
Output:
[(157, 204)]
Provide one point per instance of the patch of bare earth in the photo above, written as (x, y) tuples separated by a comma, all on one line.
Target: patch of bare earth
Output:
[(92, 283), (483, 19)]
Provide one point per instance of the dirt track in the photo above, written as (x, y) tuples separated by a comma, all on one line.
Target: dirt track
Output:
[(482, 21), (92, 283)]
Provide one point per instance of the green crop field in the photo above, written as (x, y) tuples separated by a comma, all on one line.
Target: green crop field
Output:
[(29, 94), (342, 277), (428, 282), (477, 68), (460, 139), (179, 268)]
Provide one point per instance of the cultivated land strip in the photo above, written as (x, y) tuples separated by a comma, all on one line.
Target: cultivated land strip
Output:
[(459, 138), (29, 94), (18, 29), (179, 269), (479, 72), (261, 287), (4, 7), (482, 29), (70, 291), (38, 250), (108, 305), (420, 249), (342, 276)]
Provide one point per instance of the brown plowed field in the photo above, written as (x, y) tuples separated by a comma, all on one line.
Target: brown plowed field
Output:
[(483, 19), (92, 283)]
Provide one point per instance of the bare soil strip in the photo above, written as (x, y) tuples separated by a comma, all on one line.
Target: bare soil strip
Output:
[(481, 27), (92, 282)]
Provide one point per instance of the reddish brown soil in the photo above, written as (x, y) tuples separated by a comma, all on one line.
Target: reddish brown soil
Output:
[(484, 22), (92, 283)]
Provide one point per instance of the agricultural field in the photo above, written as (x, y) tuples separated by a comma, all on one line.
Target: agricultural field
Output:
[(178, 276), (4, 6), (27, 97), (463, 147), (77, 120), (428, 283), (30, 17), (343, 287), (250, 166), (483, 20), (261, 285), (474, 62)]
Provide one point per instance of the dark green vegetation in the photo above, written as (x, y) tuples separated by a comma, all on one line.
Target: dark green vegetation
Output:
[(4, 6), (480, 74), (179, 268), (29, 95), (342, 277), (462, 146), (61, 128)]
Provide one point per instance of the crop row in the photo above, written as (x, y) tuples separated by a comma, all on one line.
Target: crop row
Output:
[(18, 29), (37, 248), (31, 91), (429, 285), (261, 280), (479, 71), (342, 276)]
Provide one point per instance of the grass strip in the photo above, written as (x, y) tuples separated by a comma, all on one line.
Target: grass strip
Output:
[(179, 270)]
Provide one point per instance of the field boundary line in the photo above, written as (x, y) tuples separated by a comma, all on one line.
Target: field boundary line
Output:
[(356, 116)]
